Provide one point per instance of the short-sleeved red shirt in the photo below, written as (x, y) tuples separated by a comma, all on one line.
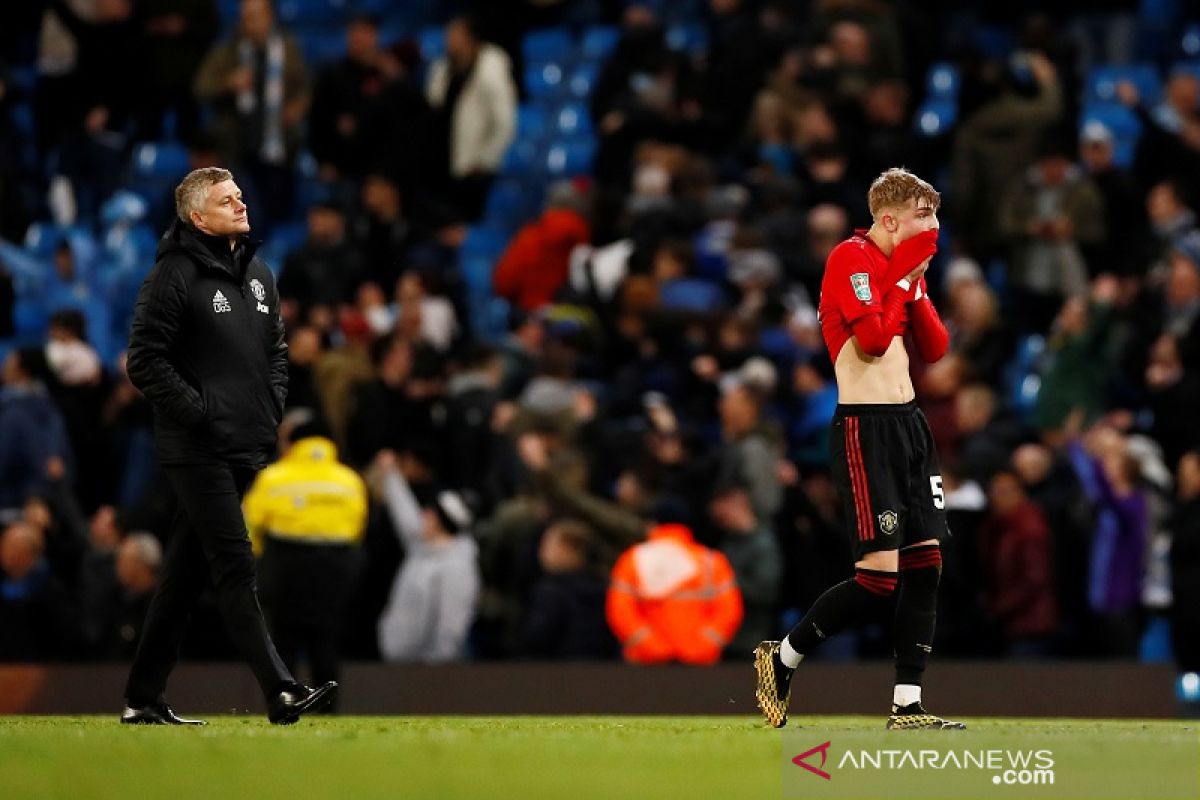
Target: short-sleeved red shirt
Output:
[(851, 289)]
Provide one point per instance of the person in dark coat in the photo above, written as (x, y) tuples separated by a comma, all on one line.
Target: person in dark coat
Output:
[(207, 350), (1185, 565), (565, 616)]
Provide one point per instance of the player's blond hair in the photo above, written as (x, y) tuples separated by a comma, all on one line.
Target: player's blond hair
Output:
[(896, 188), (193, 189)]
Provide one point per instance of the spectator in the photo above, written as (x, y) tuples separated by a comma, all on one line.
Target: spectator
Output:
[(748, 456), (176, 35), (757, 564), (37, 614), (257, 84), (1080, 356), (347, 100), (979, 334), (1109, 475), (382, 231), (1125, 230), (565, 616), (473, 93), (1017, 558), (997, 140), (433, 598), (323, 274), (1053, 217), (671, 599), (32, 431), (534, 265), (117, 615), (1185, 564)]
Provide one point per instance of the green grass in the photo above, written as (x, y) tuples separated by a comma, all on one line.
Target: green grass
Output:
[(618, 758)]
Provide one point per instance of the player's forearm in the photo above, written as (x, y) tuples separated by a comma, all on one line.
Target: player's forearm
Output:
[(928, 332), (876, 331)]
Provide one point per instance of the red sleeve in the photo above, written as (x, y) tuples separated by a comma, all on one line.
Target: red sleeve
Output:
[(876, 330), (847, 285), (928, 332)]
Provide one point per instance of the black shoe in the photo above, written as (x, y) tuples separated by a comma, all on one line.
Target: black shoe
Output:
[(157, 713), (288, 704), (774, 687), (914, 717)]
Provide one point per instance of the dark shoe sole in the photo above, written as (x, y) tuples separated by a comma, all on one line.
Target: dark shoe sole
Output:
[(319, 698)]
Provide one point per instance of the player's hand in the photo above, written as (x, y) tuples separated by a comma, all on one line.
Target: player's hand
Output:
[(910, 255)]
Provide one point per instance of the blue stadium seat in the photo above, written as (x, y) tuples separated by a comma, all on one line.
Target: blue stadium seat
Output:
[(165, 160), (936, 117), (568, 158), (522, 159), (483, 241), (1023, 380), (322, 12), (573, 120), (29, 320), (548, 46), (476, 273), (506, 205), (943, 81), (543, 81), (284, 238), (1187, 68), (432, 41), (691, 294), (583, 80), (1102, 82), (598, 42), (1124, 124), (532, 124), (688, 38), (321, 45), (1189, 44), (42, 238), (228, 12)]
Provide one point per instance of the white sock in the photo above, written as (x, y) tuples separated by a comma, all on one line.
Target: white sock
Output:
[(788, 654), (906, 694)]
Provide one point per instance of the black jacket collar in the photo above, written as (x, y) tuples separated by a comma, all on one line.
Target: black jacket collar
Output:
[(211, 252)]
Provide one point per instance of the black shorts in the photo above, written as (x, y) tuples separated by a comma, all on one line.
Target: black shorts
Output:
[(885, 466)]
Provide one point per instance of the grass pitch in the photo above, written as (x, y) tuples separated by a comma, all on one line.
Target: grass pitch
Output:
[(522, 758)]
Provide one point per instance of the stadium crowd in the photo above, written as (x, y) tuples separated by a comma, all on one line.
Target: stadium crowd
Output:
[(549, 273)]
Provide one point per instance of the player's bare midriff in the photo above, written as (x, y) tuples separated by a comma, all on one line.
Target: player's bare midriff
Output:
[(865, 379)]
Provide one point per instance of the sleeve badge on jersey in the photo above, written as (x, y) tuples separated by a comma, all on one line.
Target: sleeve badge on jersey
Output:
[(861, 283)]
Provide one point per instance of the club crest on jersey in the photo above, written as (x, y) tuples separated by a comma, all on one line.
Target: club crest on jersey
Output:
[(257, 287), (888, 521), (861, 283)]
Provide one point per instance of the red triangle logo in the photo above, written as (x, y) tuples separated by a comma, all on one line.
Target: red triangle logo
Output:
[(823, 749)]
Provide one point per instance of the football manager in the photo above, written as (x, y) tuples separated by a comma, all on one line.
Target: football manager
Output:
[(207, 349)]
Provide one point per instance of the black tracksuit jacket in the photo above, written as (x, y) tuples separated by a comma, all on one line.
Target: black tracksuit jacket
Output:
[(207, 348)]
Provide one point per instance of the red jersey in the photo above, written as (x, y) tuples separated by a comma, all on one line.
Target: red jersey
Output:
[(856, 300)]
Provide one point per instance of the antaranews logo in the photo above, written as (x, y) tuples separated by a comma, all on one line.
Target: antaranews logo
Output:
[(1008, 767)]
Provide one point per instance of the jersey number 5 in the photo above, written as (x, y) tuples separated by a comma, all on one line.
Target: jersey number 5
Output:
[(935, 488)]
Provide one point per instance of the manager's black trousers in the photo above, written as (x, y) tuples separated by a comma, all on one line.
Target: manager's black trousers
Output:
[(208, 538)]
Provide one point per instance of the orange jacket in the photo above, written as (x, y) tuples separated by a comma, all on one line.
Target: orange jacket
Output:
[(671, 599)]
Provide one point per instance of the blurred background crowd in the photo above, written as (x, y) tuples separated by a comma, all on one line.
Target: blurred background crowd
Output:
[(549, 272)]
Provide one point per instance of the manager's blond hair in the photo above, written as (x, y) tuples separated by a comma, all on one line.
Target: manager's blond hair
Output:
[(193, 189)]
